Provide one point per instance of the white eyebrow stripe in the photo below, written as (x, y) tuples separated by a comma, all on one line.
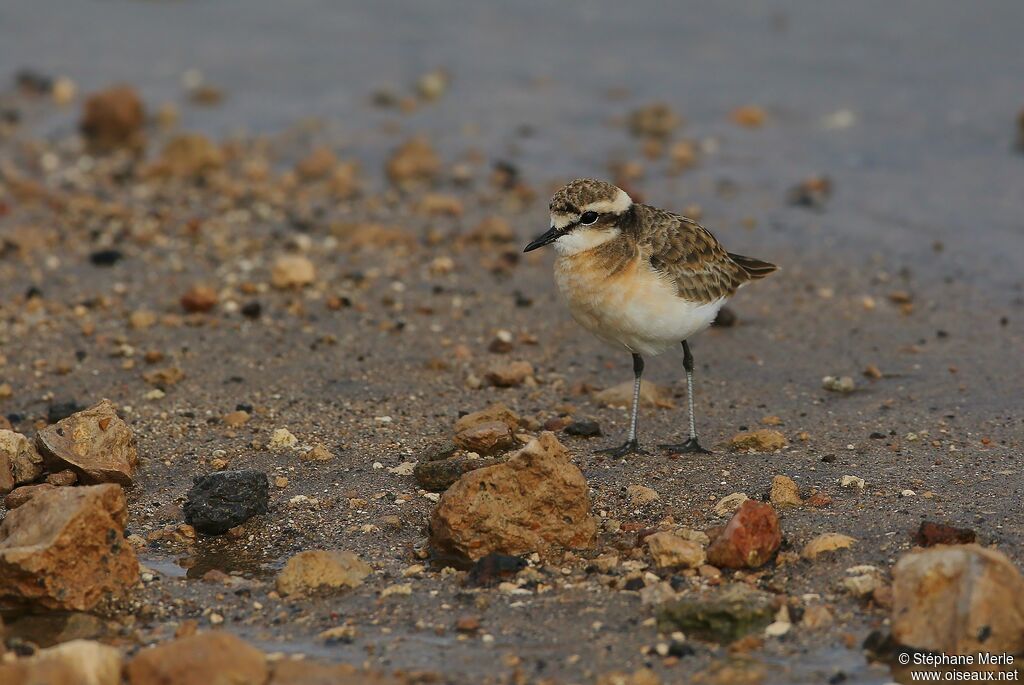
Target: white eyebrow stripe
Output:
[(618, 205), (561, 220)]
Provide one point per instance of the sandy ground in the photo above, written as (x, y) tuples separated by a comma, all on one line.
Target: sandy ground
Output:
[(913, 266)]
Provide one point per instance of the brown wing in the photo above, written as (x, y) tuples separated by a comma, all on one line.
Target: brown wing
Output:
[(687, 253)]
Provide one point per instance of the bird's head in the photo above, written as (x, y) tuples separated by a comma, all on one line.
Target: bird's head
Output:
[(584, 214)]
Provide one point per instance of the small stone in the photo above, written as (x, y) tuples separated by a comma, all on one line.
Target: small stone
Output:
[(843, 384), (415, 161), (493, 568), (509, 374), (199, 299), (657, 120), (785, 492), (215, 657), (62, 478), (730, 503), (819, 499), (94, 443), (406, 468), (583, 428), (438, 467), (236, 419), (640, 495), (142, 319), (671, 551), (852, 482), (812, 192), (750, 538), (400, 589), (18, 496), (861, 581), (621, 395), (292, 271), (316, 453), (316, 165), (314, 570), (77, 662), (930, 534), (282, 439), (502, 343), (762, 440), (748, 116), (467, 624), (113, 118), (485, 438), (722, 616), (826, 542), (20, 462), (189, 155), (225, 499), (816, 617), (495, 412)]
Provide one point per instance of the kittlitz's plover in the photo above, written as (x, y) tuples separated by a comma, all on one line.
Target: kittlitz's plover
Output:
[(640, 278)]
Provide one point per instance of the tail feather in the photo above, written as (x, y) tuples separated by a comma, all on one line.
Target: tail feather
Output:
[(754, 268)]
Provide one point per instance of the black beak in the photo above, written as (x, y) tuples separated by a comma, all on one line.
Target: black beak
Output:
[(547, 238)]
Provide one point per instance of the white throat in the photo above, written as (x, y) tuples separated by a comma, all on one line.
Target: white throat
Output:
[(583, 239)]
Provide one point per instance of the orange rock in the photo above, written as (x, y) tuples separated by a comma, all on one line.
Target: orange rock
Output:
[(960, 599), (413, 162), (495, 412), (485, 438), (65, 549), (213, 657), (95, 443), (750, 538), (113, 118), (199, 298), (536, 501)]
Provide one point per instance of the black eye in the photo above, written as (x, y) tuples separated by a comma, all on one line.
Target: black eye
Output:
[(588, 218)]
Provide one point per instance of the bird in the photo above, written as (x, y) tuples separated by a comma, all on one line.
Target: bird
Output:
[(641, 279)]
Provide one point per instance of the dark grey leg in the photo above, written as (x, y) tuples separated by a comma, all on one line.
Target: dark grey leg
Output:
[(691, 445), (632, 445)]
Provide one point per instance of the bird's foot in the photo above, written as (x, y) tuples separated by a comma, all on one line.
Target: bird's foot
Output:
[(691, 446), (628, 447)]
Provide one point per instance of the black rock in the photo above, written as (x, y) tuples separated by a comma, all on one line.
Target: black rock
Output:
[(226, 499), (494, 568), (584, 428), (252, 310), (106, 257)]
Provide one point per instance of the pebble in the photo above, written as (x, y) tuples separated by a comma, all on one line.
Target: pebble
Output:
[(509, 374), (314, 570), (842, 384), (785, 492), (762, 440), (639, 495), (199, 299), (730, 503), (292, 271), (316, 453), (826, 542), (852, 482), (282, 439)]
